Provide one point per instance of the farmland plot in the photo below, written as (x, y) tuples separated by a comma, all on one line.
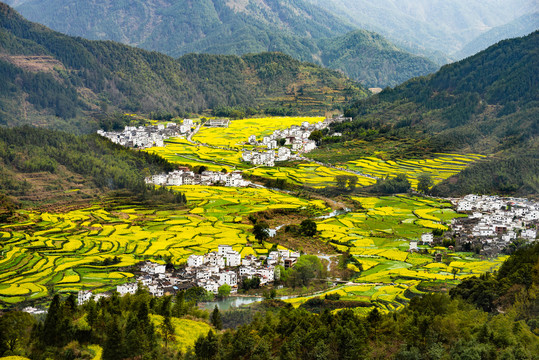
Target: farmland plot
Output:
[(65, 252)]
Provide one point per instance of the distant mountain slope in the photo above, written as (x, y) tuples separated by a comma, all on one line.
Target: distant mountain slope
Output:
[(487, 103), (46, 77), (373, 60), (177, 27), (233, 27), (522, 26), (428, 27)]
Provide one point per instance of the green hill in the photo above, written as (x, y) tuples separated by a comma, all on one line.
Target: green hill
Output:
[(301, 30), (59, 79), (371, 59), (178, 27), (487, 103), (433, 28)]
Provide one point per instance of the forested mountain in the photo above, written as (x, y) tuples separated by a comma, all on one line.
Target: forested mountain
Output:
[(436, 28), (368, 57), (522, 26), (49, 78), (486, 103), (177, 27)]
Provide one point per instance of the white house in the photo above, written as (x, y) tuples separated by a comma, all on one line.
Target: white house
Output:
[(223, 249), (128, 288), (272, 145), (84, 296), (427, 238), (283, 154), (195, 260), (228, 277), (246, 271), (284, 253), (156, 290), (413, 246), (530, 234), (153, 268)]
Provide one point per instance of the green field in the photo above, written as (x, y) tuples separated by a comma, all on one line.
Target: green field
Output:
[(239, 130), (64, 252), (60, 251), (440, 167), (378, 238)]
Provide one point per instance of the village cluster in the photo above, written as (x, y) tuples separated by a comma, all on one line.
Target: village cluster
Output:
[(494, 221), (209, 271), (184, 176), (297, 137), (143, 137)]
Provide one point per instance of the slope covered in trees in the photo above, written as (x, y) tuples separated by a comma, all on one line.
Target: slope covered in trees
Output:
[(55, 77), (42, 167), (371, 59), (433, 28), (176, 28), (487, 103)]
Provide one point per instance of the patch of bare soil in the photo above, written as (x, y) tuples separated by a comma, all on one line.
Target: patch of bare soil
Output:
[(34, 63)]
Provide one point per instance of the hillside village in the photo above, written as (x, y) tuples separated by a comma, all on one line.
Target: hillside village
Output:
[(494, 222), (184, 176), (144, 137), (209, 271), (295, 137)]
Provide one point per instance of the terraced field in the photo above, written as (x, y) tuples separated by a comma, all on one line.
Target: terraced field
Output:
[(239, 130), (65, 251), (182, 152), (378, 238), (440, 167), (312, 175)]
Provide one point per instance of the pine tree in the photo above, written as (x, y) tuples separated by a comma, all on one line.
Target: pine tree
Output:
[(216, 320), (51, 328), (167, 330)]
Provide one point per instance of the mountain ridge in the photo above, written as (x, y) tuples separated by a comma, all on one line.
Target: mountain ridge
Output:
[(228, 27), (76, 76), (486, 103), (432, 28)]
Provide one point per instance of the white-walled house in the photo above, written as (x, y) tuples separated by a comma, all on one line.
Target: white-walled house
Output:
[(228, 277), (529, 234), (83, 296), (427, 238), (223, 249), (153, 268), (195, 260), (128, 288)]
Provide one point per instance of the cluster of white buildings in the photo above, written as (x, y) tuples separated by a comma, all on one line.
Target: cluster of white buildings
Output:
[(296, 140), (147, 136), (496, 221), (226, 266), (184, 176), (494, 215), (153, 276)]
